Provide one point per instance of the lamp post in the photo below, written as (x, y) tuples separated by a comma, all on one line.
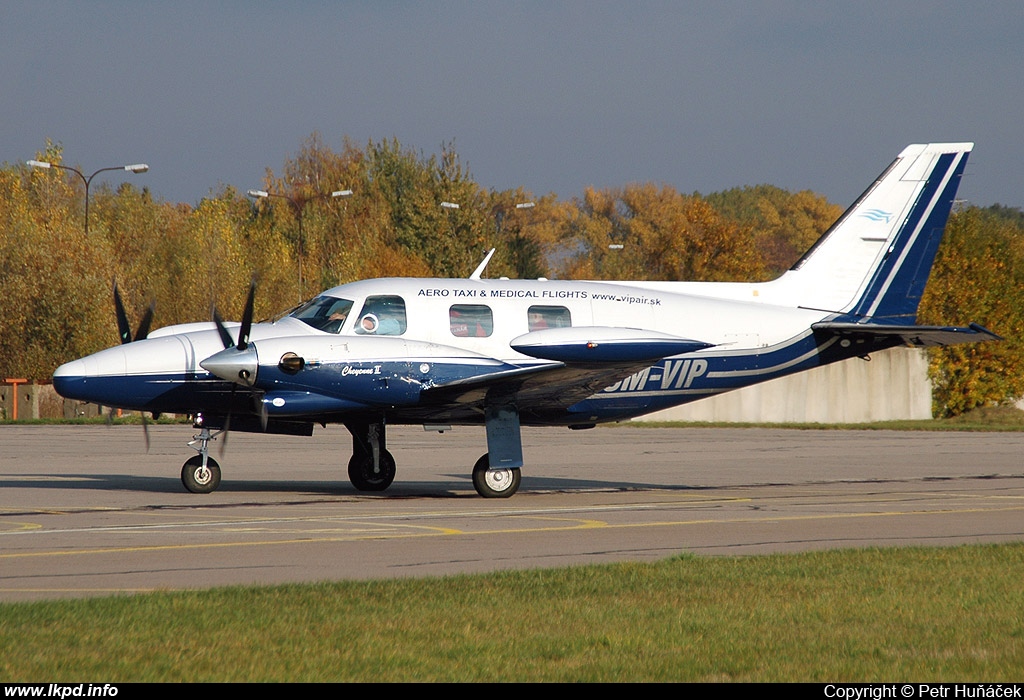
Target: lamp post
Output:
[(521, 206), (517, 242), (299, 203), (137, 168)]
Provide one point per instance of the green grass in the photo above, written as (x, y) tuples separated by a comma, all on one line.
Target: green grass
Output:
[(922, 614)]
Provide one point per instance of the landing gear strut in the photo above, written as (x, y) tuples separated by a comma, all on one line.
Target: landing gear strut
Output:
[(372, 468), (201, 474)]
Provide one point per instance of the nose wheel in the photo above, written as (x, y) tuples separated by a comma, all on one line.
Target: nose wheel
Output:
[(201, 474), (199, 477)]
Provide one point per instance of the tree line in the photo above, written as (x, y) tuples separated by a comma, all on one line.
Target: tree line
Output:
[(414, 214)]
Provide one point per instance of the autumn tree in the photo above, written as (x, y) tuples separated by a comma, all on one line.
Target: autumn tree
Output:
[(978, 276), (53, 280), (785, 224), (645, 232)]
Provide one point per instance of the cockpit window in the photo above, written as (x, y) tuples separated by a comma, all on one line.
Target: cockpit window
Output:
[(382, 315), (324, 313)]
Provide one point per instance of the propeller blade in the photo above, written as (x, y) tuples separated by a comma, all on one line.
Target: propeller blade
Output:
[(145, 429), (226, 430), (243, 332), (144, 324), (261, 408), (225, 337), (124, 331)]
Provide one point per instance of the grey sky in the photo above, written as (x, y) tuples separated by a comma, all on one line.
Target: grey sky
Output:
[(551, 96)]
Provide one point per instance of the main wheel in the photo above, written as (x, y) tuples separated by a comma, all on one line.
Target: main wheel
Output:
[(494, 483), (198, 479), (364, 478)]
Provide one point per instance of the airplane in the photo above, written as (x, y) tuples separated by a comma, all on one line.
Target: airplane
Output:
[(509, 353)]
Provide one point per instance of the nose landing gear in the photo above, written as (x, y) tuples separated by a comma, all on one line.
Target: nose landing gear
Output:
[(201, 474)]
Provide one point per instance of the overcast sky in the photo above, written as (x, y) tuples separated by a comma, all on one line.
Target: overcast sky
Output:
[(550, 96)]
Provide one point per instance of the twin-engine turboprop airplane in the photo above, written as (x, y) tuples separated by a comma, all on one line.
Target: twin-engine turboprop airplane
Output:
[(506, 353)]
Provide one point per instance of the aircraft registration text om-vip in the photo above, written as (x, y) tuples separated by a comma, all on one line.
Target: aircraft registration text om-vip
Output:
[(673, 374)]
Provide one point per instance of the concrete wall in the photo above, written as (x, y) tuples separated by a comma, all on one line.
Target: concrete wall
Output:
[(40, 401), (893, 385)]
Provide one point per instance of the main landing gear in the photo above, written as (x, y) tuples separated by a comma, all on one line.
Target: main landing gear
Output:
[(494, 483), (372, 467)]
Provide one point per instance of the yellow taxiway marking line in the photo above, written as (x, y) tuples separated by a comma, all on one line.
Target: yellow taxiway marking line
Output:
[(451, 532), (241, 523), (20, 527)]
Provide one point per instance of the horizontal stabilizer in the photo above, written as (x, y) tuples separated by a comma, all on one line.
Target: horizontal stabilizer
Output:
[(600, 344), (915, 336)]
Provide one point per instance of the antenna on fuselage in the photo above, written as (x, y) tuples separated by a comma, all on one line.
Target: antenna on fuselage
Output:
[(480, 268)]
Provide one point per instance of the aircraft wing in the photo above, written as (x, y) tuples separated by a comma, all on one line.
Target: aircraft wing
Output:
[(556, 385), (586, 360), (915, 336)]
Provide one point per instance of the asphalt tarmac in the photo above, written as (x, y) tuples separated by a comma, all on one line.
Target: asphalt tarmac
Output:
[(86, 511)]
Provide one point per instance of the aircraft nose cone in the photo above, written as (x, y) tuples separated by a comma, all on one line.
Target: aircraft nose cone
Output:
[(69, 376), (75, 368), (233, 365)]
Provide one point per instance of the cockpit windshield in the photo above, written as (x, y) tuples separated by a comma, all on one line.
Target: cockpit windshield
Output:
[(324, 313)]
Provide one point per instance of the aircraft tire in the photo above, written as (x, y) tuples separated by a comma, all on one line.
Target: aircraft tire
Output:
[(196, 480), (494, 483), (362, 476)]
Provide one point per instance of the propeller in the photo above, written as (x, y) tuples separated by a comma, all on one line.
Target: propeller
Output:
[(123, 328), (124, 332), (237, 363)]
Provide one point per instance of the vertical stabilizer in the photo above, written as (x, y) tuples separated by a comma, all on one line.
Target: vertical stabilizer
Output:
[(875, 260)]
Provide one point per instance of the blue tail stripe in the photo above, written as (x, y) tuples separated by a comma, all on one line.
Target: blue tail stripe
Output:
[(895, 290)]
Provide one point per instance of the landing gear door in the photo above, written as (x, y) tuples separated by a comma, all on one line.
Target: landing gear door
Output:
[(504, 445)]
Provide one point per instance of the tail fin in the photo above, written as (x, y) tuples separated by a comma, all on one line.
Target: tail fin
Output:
[(875, 260)]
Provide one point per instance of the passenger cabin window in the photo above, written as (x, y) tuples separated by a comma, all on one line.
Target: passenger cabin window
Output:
[(324, 313), (471, 320), (382, 315), (541, 317)]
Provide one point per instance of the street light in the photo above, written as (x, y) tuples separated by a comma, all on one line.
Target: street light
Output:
[(521, 206), (300, 204), (137, 168), (450, 206)]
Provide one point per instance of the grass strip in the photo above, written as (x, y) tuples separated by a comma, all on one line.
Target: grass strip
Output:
[(921, 614)]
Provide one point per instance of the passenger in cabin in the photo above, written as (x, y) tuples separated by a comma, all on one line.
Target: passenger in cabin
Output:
[(470, 321), (541, 317), (382, 315), (536, 320)]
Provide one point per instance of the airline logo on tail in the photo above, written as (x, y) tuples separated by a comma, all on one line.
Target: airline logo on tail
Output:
[(877, 215)]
